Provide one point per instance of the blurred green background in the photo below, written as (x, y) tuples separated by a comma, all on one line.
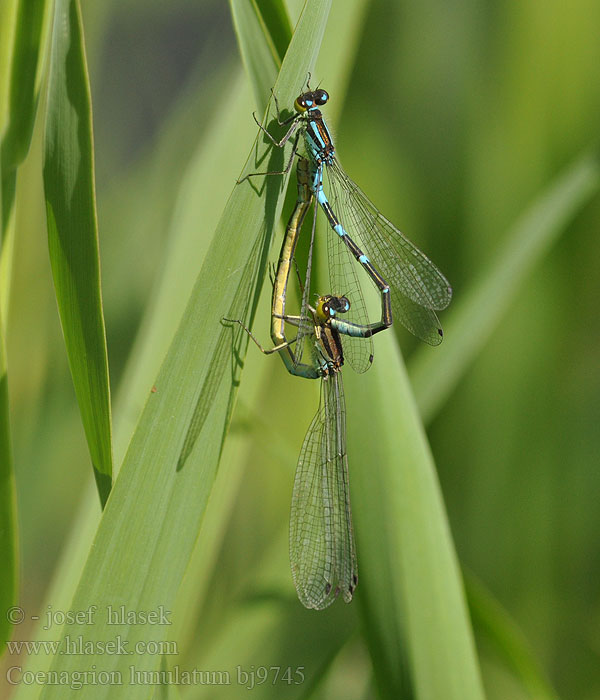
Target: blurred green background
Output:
[(457, 116)]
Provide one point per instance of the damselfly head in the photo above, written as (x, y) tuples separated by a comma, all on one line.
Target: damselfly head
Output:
[(310, 100), (324, 310), (328, 306)]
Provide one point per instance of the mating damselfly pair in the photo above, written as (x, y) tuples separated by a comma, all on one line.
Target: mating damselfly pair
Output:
[(412, 289)]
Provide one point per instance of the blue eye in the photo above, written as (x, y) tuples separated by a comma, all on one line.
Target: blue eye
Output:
[(321, 97)]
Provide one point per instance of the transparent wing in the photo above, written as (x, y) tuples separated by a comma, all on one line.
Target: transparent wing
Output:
[(418, 287), (322, 552), (344, 281)]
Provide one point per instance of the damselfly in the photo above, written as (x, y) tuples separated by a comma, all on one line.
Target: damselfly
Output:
[(322, 549), (418, 288)]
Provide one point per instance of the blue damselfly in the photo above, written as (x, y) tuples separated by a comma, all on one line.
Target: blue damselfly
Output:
[(418, 288)]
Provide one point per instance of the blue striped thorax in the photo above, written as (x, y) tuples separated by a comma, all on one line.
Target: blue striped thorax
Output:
[(316, 134)]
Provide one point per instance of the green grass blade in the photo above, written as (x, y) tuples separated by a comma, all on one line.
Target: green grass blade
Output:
[(8, 12), (60, 591), (279, 634), (495, 624), (224, 138), (20, 69), (472, 318), (471, 321), (277, 22), (73, 233), (191, 598), (346, 20), (154, 513), (8, 524), (32, 21), (260, 49), (8, 183), (410, 585), (166, 688), (24, 32)]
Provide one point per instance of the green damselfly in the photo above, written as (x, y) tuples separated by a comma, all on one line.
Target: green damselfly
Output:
[(322, 549), (418, 288)]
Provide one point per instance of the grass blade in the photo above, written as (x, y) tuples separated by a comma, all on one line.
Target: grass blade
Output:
[(277, 22), (31, 25), (472, 318), (470, 323), (261, 49), (270, 630), (20, 91), (73, 233), (22, 36), (225, 136), (496, 625), (409, 579), (8, 524), (154, 513)]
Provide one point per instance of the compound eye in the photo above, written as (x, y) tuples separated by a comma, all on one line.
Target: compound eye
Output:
[(321, 97), (340, 304), (300, 104)]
